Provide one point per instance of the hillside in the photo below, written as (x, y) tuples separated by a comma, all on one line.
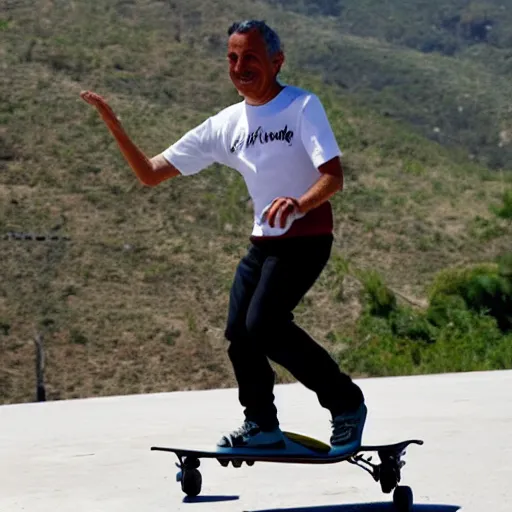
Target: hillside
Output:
[(444, 67), (132, 297), (449, 27)]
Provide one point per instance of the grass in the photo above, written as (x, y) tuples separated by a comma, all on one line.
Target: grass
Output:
[(135, 300)]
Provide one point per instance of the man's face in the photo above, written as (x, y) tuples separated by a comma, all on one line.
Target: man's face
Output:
[(251, 69)]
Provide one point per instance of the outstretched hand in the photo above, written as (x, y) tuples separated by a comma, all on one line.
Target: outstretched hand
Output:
[(281, 208), (103, 108)]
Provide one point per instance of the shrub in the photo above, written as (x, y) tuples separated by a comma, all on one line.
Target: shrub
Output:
[(461, 330), (469, 341), (379, 299), (484, 288), (413, 325)]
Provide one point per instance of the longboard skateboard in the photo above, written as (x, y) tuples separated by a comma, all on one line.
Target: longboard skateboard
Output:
[(301, 449)]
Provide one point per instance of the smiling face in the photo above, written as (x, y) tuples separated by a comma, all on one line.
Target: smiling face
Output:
[(252, 71)]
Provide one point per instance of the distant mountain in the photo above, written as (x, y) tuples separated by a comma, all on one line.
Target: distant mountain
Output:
[(448, 27), (443, 67)]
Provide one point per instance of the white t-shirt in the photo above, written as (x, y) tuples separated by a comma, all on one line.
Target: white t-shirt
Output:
[(276, 147)]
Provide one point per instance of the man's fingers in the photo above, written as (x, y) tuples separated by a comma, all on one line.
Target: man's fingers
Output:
[(286, 209), (282, 206), (88, 96), (271, 217), (93, 99)]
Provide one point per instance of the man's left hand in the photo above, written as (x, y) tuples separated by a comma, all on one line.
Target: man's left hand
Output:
[(281, 207)]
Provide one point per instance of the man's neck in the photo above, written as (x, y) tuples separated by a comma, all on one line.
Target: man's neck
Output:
[(271, 94)]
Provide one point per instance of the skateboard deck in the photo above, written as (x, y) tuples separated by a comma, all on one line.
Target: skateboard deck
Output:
[(300, 449)]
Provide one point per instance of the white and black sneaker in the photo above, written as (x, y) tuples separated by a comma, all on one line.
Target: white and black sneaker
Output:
[(347, 429), (250, 435)]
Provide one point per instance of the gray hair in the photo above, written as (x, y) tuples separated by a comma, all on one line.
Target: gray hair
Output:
[(272, 41)]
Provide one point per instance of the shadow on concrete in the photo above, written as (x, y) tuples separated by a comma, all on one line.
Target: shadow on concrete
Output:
[(209, 499), (364, 507)]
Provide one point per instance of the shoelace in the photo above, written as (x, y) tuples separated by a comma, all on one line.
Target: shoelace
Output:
[(246, 427), (341, 426)]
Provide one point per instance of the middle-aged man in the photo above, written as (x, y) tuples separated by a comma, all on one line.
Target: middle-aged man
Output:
[(280, 140)]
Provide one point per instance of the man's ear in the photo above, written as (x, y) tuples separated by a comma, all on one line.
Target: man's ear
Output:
[(278, 61)]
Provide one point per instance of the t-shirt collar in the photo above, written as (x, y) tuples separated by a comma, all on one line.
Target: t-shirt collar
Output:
[(270, 105)]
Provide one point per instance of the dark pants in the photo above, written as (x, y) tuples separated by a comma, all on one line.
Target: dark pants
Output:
[(269, 283)]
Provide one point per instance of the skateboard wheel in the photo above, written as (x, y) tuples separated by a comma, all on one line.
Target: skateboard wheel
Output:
[(191, 481), (403, 499)]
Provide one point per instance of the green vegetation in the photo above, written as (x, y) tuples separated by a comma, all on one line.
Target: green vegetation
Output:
[(504, 210), (129, 287), (467, 325)]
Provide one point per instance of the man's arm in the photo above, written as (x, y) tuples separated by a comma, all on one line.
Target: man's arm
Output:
[(330, 182), (150, 172)]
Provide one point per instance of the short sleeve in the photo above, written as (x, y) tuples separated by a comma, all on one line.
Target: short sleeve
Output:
[(316, 133), (195, 151)]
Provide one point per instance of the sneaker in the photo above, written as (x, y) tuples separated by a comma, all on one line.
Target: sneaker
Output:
[(250, 435), (347, 429)]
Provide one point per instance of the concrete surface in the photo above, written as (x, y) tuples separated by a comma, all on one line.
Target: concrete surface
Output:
[(94, 455)]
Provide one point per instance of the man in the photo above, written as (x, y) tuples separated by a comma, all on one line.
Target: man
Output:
[(281, 142)]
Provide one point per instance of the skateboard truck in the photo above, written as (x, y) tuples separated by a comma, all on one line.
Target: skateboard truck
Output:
[(388, 472)]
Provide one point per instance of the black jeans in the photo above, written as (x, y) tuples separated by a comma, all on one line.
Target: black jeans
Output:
[(270, 281)]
